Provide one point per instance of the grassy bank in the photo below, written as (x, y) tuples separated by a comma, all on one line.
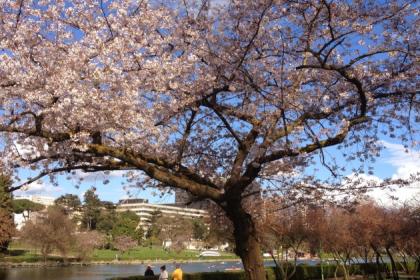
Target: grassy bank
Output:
[(154, 253), (21, 253)]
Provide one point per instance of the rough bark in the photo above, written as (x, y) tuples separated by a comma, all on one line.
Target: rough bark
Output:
[(247, 245)]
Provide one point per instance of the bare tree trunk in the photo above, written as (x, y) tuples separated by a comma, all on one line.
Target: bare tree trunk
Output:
[(246, 241), (405, 264), (345, 270), (320, 260), (336, 269), (393, 265), (378, 263)]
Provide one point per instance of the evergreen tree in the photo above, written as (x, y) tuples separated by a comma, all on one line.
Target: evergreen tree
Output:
[(91, 209), (6, 209), (25, 207), (70, 202), (127, 224)]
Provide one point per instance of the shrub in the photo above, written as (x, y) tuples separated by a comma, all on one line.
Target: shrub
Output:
[(240, 275), (303, 272)]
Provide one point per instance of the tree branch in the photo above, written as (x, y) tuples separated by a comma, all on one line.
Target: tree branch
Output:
[(185, 136), (106, 20), (182, 180), (86, 168), (337, 139), (228, 127)]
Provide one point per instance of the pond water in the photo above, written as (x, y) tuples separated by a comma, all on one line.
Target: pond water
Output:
[(105, 271)]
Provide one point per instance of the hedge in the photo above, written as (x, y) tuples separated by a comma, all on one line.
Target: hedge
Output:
[(240, 275), (308, 272), (303, 272)]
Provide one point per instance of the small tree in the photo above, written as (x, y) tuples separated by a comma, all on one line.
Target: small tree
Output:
[(52, 231), (107, 220), (317, 232), (176, 230), (339, 239), (91, 209), (200, 229), (363, 227), (408, 243), (123, 243), (7, 229), (70, 202), (127, 224), (152, 232), (386, 235), (86, 242), (285, 234)]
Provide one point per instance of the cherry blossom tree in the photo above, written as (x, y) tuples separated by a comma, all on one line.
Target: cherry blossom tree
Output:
[(124, 243), (205, 97)]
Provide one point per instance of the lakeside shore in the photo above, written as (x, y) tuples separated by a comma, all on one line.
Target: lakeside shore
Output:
[(114, 262)]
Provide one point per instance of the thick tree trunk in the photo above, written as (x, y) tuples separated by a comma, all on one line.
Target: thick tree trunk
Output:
[(246, 242)]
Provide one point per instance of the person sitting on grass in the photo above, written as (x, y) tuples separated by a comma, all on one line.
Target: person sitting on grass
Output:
[(149, 271), (177, 274)]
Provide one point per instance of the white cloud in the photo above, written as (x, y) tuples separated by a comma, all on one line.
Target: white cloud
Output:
[(38, 188), (407, 163), (98, 176)]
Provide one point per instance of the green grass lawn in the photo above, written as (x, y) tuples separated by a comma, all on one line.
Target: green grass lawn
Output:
[(154, 253), (30, 256), (21, 253)]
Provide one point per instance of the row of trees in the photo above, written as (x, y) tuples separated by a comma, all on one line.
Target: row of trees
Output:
[(367, 233), (181, 231), (67, 226), (102, 216), (56, 230), (96, 215), (62, 230), (97, 223)]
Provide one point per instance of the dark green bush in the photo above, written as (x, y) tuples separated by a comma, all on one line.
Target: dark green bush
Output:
[(314, 272), (136, 278), (215, 276), (240, 275), (371, 268), (272, 273)]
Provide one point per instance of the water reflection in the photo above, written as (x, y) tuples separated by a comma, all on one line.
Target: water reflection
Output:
[(100, 272)]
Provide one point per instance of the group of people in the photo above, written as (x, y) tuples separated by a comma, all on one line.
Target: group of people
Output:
[(176, 274)]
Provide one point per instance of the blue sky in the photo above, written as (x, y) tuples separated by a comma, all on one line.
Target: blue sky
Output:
[(394, 162)]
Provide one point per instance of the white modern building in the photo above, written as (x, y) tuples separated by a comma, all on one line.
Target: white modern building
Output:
[(44, 200), (145, 210)]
